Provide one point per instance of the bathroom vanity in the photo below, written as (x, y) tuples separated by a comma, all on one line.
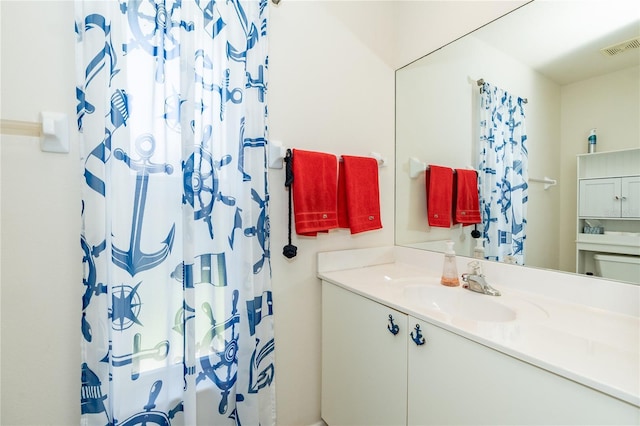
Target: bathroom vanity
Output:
[(399, 348)]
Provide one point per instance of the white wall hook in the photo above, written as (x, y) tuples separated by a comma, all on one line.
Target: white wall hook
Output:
[(55, 132), (382, 162), (416, 167), (276, 154)]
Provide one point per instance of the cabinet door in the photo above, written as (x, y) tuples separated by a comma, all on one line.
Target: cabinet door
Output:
[(455, 381), (364, 365), (599, 198), (630, 196)]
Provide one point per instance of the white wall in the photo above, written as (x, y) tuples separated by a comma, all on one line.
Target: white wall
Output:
[(41, 262), (424, 26), (331, 88)]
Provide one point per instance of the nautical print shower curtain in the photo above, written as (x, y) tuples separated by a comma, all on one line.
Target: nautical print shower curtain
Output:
[(503, 176), (177, 308)]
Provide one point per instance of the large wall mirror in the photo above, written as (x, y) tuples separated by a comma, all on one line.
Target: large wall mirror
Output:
[(548, 52)]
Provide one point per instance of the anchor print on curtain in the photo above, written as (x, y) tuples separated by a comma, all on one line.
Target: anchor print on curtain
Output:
[(177, 311), (503, 174)]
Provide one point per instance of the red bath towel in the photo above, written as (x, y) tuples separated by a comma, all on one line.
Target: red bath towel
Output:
[(359, 194), (439, 183), (467, 203), (315, 189)]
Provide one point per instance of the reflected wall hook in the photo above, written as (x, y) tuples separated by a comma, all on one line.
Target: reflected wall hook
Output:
[(548, 182)]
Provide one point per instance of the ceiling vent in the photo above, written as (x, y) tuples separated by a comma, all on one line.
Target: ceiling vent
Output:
[(616, 49)]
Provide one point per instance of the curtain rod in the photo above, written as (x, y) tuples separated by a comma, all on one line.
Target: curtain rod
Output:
[(480, 82)]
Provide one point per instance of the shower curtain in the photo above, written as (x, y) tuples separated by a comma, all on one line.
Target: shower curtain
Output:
[(502, 172), (177, 311)]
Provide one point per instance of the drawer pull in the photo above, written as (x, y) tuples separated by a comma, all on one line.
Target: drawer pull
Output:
[(393, 328), (418, 339)]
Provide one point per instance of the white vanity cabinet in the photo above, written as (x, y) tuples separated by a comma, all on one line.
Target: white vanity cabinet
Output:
[(364, 364), (372, 377), (456, 381)]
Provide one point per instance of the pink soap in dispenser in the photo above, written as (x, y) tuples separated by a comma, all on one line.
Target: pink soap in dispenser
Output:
[(449, 269)]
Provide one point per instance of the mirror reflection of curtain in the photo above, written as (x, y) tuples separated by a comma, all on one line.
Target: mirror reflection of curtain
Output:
[(177, 318), (503, 176)]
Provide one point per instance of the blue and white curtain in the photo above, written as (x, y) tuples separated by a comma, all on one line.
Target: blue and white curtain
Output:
[(503, 176), (177, 314)]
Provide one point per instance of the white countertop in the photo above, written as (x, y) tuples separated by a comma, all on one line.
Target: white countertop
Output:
[(599, 348)]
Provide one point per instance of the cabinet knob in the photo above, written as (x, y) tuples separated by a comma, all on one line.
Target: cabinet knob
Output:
[(393, 328), (418, 339)]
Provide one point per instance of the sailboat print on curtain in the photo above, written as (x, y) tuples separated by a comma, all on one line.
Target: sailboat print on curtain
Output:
[(177, 311), (503, 174)]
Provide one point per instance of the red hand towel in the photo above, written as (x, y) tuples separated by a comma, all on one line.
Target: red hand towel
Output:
[(467, 203), (359, 194), (439, 183), (315, 189)]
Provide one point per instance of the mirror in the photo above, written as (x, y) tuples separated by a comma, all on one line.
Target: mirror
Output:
[(549, 53)]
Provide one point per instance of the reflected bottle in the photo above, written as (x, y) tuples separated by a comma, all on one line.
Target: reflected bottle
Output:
[(449, 269), (478, 251), (592, 141)]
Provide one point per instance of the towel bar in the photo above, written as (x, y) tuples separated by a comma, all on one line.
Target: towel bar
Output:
[(276, 152), (416, 167), (548, 182), (53, 131)]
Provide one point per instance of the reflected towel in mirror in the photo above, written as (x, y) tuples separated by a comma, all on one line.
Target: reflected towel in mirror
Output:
[(466, 200), (439, 187)]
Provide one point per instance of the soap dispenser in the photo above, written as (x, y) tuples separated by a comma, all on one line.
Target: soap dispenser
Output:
[(449, 269)]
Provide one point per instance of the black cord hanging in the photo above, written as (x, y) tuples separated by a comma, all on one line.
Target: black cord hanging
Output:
[(475, 233), (289, 250)]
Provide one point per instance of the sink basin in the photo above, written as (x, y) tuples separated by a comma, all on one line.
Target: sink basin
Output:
[(458, 302)]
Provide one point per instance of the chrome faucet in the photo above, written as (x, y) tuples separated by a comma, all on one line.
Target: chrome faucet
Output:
[(475, 281)]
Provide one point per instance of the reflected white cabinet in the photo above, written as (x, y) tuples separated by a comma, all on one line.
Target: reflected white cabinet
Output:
[(617, 197), (608, 197), (364, 364), (630, 190), (371, 376)]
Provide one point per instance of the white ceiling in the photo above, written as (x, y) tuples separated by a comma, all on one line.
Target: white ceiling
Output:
[(562, 39)]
